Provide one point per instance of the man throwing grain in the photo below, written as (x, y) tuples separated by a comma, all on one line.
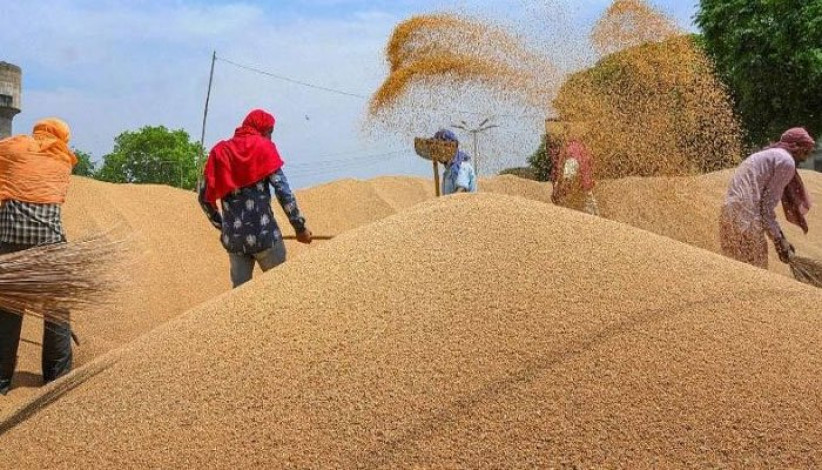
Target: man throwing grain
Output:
[(749, 212), (34, 178), (459, 175), (240, 173)]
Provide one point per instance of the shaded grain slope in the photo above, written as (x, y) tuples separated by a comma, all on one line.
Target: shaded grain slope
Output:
[(687, 209), (180, 265)]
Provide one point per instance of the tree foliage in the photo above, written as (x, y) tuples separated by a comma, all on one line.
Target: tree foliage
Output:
[(524, 172), (154, 155), (769, 53), (541, 162), (85, 167)]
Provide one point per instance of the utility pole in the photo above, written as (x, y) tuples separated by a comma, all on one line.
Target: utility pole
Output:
[(205, 111), (480, 128)]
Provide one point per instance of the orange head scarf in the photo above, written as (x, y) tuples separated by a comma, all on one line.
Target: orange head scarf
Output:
[(37, 168), (53, 135)]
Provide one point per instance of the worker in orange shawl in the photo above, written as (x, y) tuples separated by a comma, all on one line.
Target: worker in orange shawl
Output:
[(35, 172), (572, 168)]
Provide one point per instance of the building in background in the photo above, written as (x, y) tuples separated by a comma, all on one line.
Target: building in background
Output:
[(815, 162), (11, 87)]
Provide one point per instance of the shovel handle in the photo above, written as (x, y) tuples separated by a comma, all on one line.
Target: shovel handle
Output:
[(313, 237)]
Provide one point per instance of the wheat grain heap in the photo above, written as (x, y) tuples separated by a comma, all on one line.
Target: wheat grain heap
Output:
[(176, 240), (179, 265), (686, 209), (468, 331)]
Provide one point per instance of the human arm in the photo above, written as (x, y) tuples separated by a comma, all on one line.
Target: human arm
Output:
[(288, 202), (466, 176), (784, 170), (209, 208), (580, 152)]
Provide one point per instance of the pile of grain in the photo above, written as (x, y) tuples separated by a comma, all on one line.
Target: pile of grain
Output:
[(182, 262), (471, 331), (687, 209), (181, 265)]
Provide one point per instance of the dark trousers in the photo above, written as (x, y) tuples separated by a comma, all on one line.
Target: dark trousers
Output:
[(57, 354)]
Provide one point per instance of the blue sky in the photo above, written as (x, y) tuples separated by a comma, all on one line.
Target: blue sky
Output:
[(112, 65)]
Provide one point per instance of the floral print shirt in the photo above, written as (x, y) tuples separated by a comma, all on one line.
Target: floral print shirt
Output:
[(247, 221)]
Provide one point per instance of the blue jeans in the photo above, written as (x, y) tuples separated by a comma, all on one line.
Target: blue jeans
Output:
[(57, 354), (242, 265)]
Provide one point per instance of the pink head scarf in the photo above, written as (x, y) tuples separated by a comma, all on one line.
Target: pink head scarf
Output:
[(795, 140)]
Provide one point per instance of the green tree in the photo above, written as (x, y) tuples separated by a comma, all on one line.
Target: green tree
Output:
[(769, 53), (84, 167), (525, 172), (153, 155), (541, 161)]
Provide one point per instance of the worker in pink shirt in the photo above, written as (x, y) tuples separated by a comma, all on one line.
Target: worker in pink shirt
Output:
[(761, 182)]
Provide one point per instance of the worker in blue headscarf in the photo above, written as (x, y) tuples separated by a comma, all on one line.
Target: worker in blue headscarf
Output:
[(459, 176)]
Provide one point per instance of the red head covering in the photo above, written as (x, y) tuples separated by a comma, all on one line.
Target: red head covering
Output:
[(243, 160), (795, 140), (796, 201)]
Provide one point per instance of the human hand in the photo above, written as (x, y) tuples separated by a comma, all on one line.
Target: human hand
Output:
[(785, 250), (305, 236)]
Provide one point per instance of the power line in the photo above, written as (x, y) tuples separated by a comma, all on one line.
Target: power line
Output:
[(291, 80), (330, 169), (309, 163), (346, 93), (353, 152)]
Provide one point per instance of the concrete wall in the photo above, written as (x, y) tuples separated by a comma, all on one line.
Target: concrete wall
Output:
[(11, 88)]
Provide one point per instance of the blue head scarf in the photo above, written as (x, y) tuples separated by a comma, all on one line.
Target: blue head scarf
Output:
[(448, 136)]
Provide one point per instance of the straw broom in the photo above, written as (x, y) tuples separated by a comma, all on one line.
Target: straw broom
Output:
[(49, 281), (806, 270)]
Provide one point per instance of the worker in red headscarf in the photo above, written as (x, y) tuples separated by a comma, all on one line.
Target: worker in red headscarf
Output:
[(240, 173), (763, 180), (572, 168)]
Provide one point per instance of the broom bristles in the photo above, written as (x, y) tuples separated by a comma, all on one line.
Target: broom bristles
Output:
[(50, 281), (806, 270)]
